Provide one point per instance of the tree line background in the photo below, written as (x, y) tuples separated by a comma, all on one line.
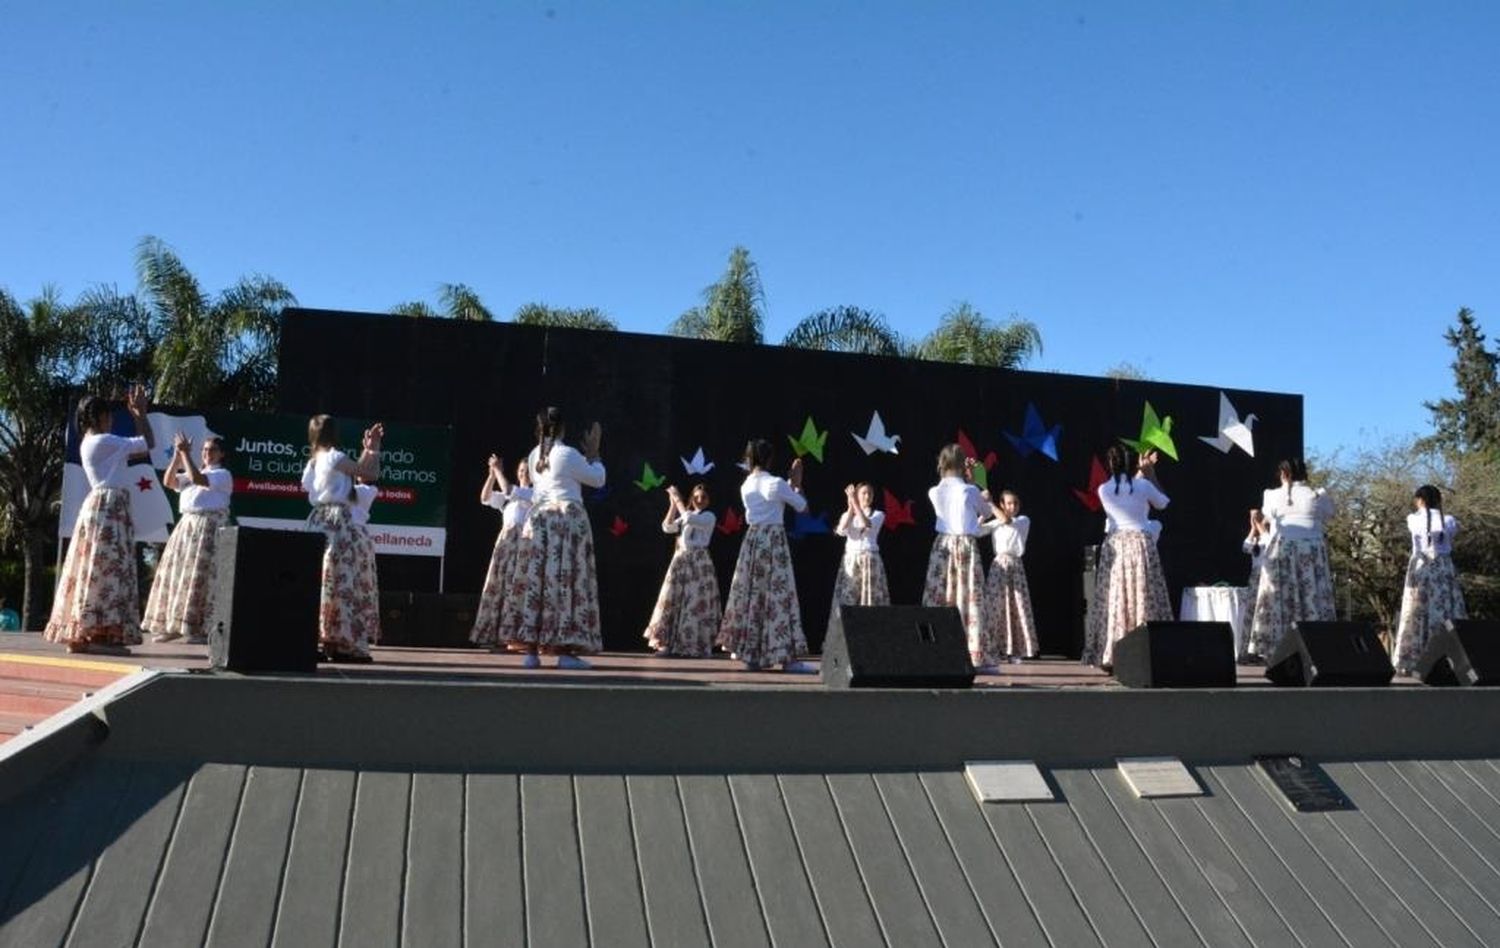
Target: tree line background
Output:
[(219, 351)]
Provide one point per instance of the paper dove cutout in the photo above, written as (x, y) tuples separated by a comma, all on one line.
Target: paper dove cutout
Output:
[(697, 465), (1232, 431), (744, 466), (620, 527), (650, 480), (730, 523), (875, 439), (164, 428), (1156, 434), (981, 467), (1097, 475), (897, 512), (811, 441), (1035, 436), (807, 523)]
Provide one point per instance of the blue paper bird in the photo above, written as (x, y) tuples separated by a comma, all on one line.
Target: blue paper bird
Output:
[(806, 524), (1035, 436)]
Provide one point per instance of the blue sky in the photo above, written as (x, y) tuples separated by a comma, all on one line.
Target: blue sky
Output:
[(1282, 196)]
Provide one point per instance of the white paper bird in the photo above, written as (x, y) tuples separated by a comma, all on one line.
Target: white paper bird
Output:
[(1232, 431), (876, 439), (697, 465)]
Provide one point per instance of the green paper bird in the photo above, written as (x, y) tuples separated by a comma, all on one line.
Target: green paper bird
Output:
[(810, 441), (981, 477), (1156, 434), (650, 480)]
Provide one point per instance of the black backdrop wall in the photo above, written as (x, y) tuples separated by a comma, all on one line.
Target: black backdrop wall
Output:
[(660, 398)]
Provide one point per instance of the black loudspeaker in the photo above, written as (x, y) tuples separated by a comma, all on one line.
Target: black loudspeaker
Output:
[(1332, 654), (398, 618), (897, 647), (1176, 655), (266, 588), (444, 620), (1467, 652)]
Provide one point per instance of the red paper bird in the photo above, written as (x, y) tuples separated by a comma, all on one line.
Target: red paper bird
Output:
[(730, 523), (972, 452), (1097, 476), (897, 513), (619, 527)]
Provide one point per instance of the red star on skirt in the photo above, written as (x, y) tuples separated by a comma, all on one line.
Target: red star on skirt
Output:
[(144, 484)]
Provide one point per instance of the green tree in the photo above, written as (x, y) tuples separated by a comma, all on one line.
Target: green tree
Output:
[(210, 350), (845, 329), (1470, 422), (414, 308), (733, 308), (965, 335), (1126, 372), (45, 347), (455, 301), (538, 314)]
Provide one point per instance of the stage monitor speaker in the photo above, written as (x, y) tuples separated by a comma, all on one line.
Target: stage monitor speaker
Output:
[(444, 620), (1330, 654), (398, 618), (897, 647), (266, 588), (1176, 655), (1466, 652)]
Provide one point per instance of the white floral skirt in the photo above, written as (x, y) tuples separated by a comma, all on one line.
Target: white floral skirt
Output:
[(1429, 599), (1007, 601), (955, 577), (349, 601), (861, 581), (686, 616), (1296, 584), (96, 598), (553, 600), (762, 621), (496, 583), (182, 590), (1129, 591)]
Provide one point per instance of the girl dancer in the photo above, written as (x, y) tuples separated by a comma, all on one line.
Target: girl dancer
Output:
[(1431, 596), (762, 621), (182, 590), (1295, 580), (1129, 588), (1007, 597), (861, 580), (687, 608), (96, 606), (1254, 546), (955, 573), (553, 600), (349, 604), (514, 503)]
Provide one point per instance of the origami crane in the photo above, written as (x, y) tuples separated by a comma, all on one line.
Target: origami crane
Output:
[(897, 512), (811, 441), (730, 523), (1035, 436), (981, 467), (1156, 435), (1232, 431), (650, 480), (619, 528), (1097, 476), (875, 438), (806, 524), (697, 465)]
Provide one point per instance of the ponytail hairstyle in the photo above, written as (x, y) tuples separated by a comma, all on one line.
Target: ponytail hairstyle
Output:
[(549, 432), (322, 432), (90, 407), (1121, 463), (951, 461), (1294, 470), (759, 454), (1432, 499)]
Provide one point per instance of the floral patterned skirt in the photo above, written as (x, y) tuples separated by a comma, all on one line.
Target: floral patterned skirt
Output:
[(496, 582), (861, 581), (686, 616), (349, 603), (1430, 598), (553, 600), (1007, 602), (1295, 584), (762, 621), (96, 598), (182, 591), (1129, 590), (955, 577)]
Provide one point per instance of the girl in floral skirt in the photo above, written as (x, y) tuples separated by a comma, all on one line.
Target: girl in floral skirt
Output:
[(1129, 587), (955, 572), (861, 580), (1296, 582), (687, 608), (96, 607), (1007, 597), (514, 503), (553, 601), (762, 621), (349, 603), (182, 590), (1431, 595)]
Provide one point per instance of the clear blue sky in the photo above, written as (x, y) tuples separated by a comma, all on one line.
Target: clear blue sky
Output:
[(1282, 196)]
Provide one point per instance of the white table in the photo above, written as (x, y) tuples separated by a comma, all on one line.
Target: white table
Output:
[(1218, 604)]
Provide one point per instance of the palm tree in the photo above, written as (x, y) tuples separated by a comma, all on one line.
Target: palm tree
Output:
[(733, 309), (965, 335), (211, 351), (538, 314), (414, 308), (845, 329), (458, 301)]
